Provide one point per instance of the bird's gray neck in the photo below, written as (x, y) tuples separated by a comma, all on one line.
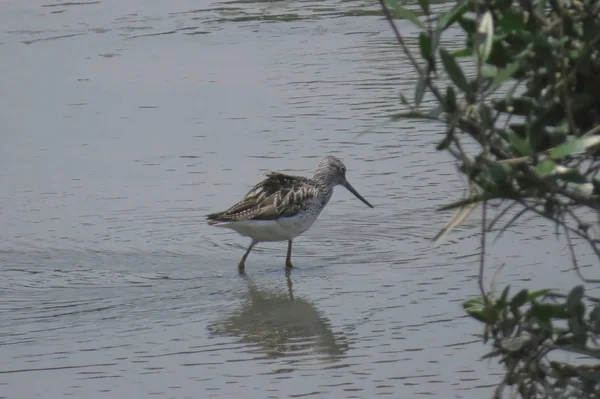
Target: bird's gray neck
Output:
[(325, 192), (324, 180)]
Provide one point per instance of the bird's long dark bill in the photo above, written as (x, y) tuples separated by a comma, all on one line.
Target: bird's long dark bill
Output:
[(353, 191)]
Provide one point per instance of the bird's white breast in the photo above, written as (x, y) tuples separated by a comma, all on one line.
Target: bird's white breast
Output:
[(281, 229)]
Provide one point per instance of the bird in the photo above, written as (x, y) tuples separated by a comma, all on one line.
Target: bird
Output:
[(281, 207)]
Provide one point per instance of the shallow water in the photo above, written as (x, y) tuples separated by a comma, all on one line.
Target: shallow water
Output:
[(125, 122)]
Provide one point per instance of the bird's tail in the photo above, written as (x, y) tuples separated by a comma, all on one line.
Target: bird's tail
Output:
[(214, 218)]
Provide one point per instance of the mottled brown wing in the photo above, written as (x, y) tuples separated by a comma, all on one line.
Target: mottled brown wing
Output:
[(278, 195), (292, 197)]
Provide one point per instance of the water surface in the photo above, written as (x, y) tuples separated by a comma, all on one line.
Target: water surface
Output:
[(125, 122)]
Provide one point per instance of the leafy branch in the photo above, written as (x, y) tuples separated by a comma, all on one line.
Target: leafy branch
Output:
[(524, 129)]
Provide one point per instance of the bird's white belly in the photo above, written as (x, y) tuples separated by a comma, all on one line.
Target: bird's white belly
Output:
[(281, 229)]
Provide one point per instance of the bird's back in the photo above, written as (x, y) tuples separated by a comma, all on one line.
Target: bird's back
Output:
[(279, 195)]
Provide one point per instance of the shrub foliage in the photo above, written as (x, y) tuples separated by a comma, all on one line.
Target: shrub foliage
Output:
[(520, 104)]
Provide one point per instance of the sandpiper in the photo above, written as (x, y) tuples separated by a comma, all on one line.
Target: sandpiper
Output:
[(282, 207)]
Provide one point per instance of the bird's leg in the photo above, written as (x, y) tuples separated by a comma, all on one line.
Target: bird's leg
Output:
[(288, 259), (242, 264), (288, 273)]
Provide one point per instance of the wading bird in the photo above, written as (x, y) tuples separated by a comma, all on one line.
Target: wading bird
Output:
[(282, 207)]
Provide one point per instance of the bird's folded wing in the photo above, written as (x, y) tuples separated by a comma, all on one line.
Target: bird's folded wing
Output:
[(278, 195)]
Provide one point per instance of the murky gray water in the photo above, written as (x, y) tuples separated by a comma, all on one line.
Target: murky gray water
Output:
[(124, 122)]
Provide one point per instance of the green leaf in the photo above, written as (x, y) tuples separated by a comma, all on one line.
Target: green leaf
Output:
[(582, 101), (515, 344), (477, 309), (578, 329), (450, 17), (480, 315), (540, 6), (485, 113), (403, 99), (504, 74), (595, 317), (519, 299), (468, 24), (547, 116), (405, 13), (533, 295), (574, 147), (517, 106), (500, 56), (575, 54), (477, 301), (499, 172), (502, 300), (485, 36), (464, 53), (424, 6), (545, 168), (574, 298), (545, 312), (435, 40), (589, 28), (520, 130), (489, 71), (420, 90), (435, 112), (425, 44), (454, 71), (596, 183), (511, 21), (571, 176), (535, 136), (540, 41), (445, 143), (520, 145), (450, 100), (508, 325), (515, 304), (562, 128)]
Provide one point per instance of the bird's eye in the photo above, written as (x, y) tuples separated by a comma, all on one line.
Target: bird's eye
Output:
[(343, 170)]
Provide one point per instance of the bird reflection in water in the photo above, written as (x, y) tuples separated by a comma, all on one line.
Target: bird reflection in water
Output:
[(281, 324)]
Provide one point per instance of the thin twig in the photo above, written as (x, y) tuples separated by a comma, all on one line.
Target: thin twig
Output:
[(594, 353), (497, 273), (457, 219), (592, 132), (580, 223), (482, 256), (566, 98), (573, 256), (510, 223), (577, 232), (406, 50), (500, 215), (591, 201)]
